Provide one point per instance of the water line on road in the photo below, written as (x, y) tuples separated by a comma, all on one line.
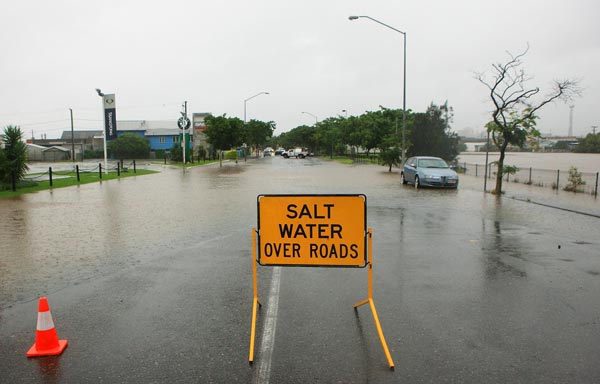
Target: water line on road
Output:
[(268, 337), (528, 200)]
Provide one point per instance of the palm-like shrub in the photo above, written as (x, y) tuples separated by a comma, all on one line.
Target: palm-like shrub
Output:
[(13, 160)]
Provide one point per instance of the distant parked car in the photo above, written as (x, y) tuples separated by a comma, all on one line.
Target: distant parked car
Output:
[(279, 151), (428, 171), (268, 151), (298, 153)]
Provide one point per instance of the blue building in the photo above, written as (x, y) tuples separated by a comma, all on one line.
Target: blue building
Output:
[(162, 135)]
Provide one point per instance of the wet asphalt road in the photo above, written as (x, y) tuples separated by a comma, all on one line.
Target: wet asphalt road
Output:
[(150, 280)]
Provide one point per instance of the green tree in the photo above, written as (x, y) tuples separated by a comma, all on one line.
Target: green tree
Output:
[(391, 157), (218, 132), (374, 128), (514, 107), (430, 134), (3, 167), (393, 123), (176, 153), (129, 146), (561, 146), (257, 133), (224, 133), (589, 144), (328, 134), (575, 180), (301, 136), (350, 131), (13, 161)]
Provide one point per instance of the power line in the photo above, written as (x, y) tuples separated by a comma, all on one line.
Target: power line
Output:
[(42, 122)]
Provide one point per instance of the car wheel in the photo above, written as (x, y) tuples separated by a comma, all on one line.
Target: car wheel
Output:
[(416, 181), (403, 178)]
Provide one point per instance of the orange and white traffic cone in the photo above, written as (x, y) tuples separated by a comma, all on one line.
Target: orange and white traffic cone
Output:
[(46, 338)]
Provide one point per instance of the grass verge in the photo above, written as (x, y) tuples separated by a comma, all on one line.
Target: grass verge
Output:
[(70, 180)]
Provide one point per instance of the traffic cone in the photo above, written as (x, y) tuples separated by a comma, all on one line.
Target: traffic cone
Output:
[(46, 338)]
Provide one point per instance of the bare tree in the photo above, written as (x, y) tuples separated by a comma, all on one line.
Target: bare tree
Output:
[(515, 105)]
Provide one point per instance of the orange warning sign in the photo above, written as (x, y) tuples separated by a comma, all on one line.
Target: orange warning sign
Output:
[(312, 230)]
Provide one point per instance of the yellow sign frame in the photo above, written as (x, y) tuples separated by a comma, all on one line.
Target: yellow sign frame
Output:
[(369, 300), (312, 230)]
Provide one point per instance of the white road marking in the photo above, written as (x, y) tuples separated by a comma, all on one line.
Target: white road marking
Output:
[(268, 337)]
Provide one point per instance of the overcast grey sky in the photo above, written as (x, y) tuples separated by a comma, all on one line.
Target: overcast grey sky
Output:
[(306, 54)]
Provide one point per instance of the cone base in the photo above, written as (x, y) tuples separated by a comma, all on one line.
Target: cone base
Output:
[(33, 351)]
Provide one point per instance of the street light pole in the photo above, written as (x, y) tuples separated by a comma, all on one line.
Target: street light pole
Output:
[(404, 81), (316, 118), (245, 101), (103, 132), (317, 122), (487, 151), (72, 137), (184, 143), (252, 97)]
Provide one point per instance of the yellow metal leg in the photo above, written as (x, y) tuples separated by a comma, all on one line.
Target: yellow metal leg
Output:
[(365, 301), (388, 356), (253, 331), (256, 303), (369, 300)]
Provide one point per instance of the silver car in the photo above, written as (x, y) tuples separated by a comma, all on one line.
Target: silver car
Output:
[(428, 171)]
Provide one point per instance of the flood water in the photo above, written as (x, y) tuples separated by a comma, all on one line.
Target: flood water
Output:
[(584, 162), (150, 279), (53, 239)]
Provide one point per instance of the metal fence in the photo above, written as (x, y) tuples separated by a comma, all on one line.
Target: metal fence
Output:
[(363, 158), (68, 171), (548, 178)]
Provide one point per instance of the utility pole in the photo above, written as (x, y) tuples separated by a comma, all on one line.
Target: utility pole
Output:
[(184, 143), (184, 124), (571, 120), (72, 138), (594, 129)]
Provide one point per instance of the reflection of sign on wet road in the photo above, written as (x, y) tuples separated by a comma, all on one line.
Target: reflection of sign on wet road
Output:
[(312, 230)]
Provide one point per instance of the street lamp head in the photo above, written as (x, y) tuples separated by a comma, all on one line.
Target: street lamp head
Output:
[(353, 17), (99, 92)]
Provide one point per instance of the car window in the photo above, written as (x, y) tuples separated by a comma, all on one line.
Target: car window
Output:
[(432, 163)]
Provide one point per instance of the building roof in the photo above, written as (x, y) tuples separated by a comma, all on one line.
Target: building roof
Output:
[(144, 125), (56, 148), (34, 146), (163, 132), (79, 135), (128, 126)]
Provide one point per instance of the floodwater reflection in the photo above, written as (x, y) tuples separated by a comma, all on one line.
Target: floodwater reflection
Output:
[(53, 239), (502, 248), (49, 369)]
